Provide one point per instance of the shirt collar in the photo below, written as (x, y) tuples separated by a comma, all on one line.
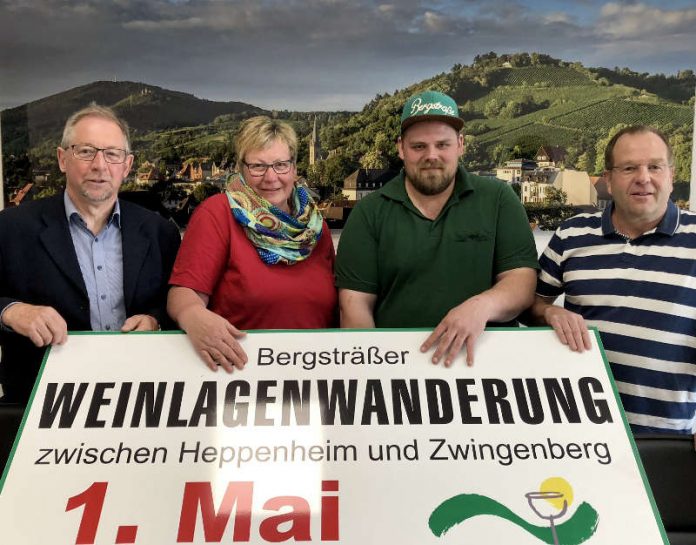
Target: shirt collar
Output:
[(667, 226), (71, 211)]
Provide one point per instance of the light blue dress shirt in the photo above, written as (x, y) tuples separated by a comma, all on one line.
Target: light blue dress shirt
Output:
[(101, 262)]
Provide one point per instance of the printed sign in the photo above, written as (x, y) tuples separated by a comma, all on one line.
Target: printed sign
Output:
[(325, 437)]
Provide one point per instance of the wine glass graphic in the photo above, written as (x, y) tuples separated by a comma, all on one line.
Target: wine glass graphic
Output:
[(545, 505)]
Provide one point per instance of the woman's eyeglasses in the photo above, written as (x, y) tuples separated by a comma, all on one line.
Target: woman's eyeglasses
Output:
[(259, 169)]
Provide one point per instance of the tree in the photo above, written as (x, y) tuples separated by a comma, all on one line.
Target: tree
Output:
[(204, 190), (129, 186), (46, 192), (585, 161), (548, 217), (500, 154), (527, 145), (167, 191), (520, 59), (332, 172), (475, 127), (167, 149), (487, 59), (681, 150), (492, 108), (17, 169), (475, 156), (373, 159), (602, 145), (555, 196), (512, 109)]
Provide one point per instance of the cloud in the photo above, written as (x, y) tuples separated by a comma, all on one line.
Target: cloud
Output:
[(556, 17), (437, 23), (313, 54), (641, 34), (162, 25), (641, 21)]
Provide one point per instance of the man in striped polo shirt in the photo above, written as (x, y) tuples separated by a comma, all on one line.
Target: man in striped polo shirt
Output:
[(630, 271)]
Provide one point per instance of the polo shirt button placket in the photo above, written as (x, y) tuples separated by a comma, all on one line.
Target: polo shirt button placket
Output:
[(629, 254)]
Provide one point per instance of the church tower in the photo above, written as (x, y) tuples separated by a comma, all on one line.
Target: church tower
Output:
[(314, 146)]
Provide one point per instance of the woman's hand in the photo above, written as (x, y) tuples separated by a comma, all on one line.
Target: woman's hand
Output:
[(213, 337)]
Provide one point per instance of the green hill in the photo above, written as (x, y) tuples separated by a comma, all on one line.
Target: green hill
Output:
[(549, 76), (512, 104), (144, 107), (606, 113), (677, 89)]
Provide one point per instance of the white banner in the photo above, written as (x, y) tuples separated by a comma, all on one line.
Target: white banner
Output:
[(325, 437)]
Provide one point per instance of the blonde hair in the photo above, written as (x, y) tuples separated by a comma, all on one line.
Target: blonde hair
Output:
[(93, 110), (259, 133)]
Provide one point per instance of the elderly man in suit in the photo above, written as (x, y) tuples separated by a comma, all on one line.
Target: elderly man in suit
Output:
[(82, 260)]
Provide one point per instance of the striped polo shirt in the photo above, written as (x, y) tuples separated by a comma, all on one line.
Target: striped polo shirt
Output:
[(641, 296)]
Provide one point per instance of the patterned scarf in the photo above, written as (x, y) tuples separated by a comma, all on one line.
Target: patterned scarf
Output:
[(279, 237)]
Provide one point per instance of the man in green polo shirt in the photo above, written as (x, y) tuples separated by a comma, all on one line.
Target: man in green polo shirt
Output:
[(436, 246)]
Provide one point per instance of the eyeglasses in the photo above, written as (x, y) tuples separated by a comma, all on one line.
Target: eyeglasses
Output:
[(84, 152), (656, 169), (259, 169)]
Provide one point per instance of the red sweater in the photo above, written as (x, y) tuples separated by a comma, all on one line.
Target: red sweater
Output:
[(217, 258)]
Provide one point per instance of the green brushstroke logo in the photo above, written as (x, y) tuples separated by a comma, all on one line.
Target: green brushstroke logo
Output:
[(550, 503)]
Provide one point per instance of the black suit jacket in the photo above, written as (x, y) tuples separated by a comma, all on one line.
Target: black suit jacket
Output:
[(38, 265)]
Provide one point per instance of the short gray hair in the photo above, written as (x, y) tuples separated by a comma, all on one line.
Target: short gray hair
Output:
[(93, 110)]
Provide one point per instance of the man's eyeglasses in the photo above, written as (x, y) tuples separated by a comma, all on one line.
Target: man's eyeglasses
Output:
[(656, 169), (259, 169), (83, 152)]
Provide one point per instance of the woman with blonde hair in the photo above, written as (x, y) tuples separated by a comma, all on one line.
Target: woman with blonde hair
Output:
[(258, 256)]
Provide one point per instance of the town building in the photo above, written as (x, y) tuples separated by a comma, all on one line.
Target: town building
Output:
[(196, 171), (550, 156), (148, 174), (535, 177), (221, 170), (515, 170), (364, 181), (575, 184)]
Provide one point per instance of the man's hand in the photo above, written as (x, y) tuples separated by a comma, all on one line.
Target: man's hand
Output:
[(214, 338), (461, 326), (140, 322), (43, 325), (569, 326)]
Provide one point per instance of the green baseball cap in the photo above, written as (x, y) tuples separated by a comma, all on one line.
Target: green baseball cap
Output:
[(431, 106)]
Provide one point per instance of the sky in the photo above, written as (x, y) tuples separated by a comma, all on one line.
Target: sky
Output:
[(318, 54)]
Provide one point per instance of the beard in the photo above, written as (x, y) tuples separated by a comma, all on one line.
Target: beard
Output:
[(430, 182), (96, 196)]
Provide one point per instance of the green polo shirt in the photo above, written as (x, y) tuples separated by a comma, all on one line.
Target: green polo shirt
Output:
[(421, 268)]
